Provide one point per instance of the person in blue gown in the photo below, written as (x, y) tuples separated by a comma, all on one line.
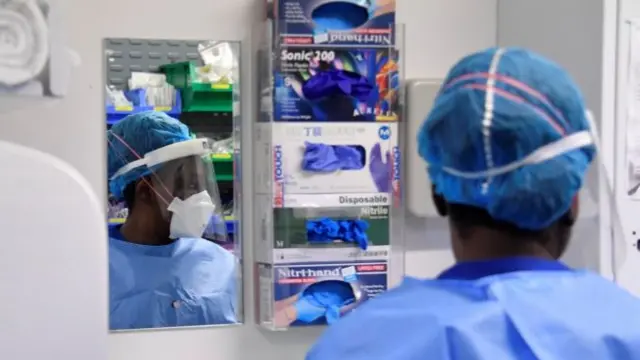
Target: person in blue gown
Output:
[(507, 144), (161, 272)]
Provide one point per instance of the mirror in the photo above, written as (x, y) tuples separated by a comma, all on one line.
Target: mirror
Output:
[(173, 131)]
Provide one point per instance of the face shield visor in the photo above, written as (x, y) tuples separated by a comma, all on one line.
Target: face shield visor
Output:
[(183, 178)]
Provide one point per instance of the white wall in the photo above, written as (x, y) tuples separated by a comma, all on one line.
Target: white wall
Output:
[(438, 33), (629, 10), (580, 36)]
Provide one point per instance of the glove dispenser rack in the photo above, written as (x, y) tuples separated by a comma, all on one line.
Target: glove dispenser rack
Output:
[(328, 173)]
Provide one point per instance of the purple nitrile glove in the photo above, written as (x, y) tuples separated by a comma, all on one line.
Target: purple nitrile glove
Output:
[(380, 168)]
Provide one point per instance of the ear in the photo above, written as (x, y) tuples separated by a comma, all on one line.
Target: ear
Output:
[(439, 202), (575, 208), (571, 216), (144, 192)]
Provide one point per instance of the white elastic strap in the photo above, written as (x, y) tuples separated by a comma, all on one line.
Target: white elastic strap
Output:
[(557, 148), (170, 152), (487, 120)]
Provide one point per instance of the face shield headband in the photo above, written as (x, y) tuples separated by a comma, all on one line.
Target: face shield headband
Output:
[(192, 212)]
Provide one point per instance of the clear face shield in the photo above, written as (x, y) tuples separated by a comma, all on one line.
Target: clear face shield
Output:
[(598, 206), (183, 178), (615, 225)]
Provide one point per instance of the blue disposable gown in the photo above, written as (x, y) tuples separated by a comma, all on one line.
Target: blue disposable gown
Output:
[(189, 282), (510, 309)]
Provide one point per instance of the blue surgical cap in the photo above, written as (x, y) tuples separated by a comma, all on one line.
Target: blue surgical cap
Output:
[(534, 103), (142, 132)]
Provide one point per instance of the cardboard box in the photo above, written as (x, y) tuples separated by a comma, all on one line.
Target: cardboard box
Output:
[(282, 234), (305, 85), (280, 151), (280, 287), (358, 23)]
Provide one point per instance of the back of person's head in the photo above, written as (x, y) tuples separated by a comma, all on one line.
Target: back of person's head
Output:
[(496, 108), (129, 140)]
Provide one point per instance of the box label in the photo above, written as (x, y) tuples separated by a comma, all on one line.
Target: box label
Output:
[(305, 91), (368, 23)]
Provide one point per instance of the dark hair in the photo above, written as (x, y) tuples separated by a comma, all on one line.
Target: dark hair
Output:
[(466, 218)]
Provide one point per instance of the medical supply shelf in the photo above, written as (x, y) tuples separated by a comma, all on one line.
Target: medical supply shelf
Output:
[(208, 98), (117, 113), (127, 55), (198, 96)]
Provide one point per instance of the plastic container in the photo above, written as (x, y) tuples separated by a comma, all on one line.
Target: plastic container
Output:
[(198, 96), (223, 166), (117, 113)]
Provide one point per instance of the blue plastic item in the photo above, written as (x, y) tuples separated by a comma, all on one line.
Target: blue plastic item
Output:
[(231, 226), (325, 230), (324, 299), (137, 97), (380, 168), (336, 93), (341, 15), (325, 158)]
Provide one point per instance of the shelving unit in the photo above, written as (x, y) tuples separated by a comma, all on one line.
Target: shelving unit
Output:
[(207, 109), (115, 114), (197, 96)]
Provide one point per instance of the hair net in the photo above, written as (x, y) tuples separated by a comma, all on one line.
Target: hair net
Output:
[(133, 137), (495, 108)]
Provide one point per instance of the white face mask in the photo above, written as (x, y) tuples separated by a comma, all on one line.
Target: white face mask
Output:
[(190, 216)]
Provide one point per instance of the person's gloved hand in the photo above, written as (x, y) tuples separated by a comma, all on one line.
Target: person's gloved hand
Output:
[(380, 168), (308, 310), (324, 298), (332, 314)]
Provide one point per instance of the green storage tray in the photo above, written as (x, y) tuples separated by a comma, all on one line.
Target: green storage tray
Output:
[(223, 166), (198, 96)]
